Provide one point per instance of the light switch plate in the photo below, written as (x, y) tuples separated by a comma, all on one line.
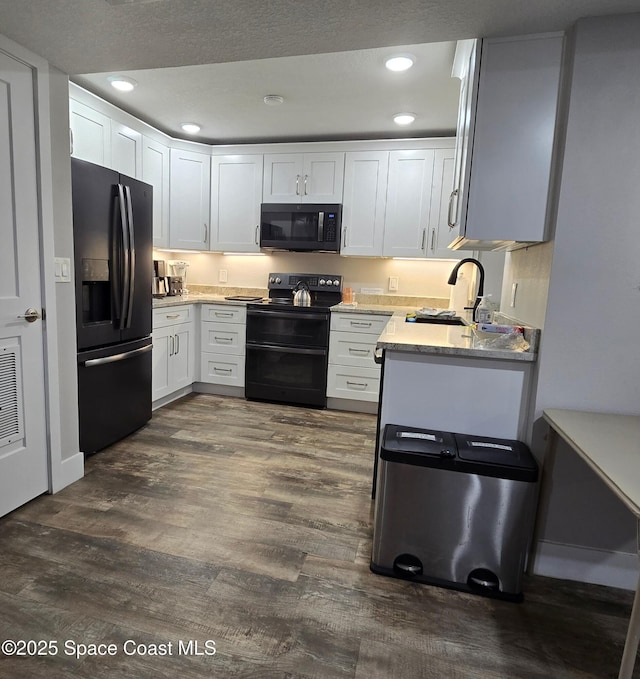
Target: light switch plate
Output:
[(393, 283), (62, 270), (222, 276)]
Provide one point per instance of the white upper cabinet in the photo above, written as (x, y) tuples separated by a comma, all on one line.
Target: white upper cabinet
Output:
[(126, 150), (465, 67), (303, 178), (190, 186), (236, 194), (365, 198), (409, 191), (513, 143), (90, 134), (155, 171), (438, 237)]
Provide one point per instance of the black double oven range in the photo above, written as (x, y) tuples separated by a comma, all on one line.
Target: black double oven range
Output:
[(287, 347)]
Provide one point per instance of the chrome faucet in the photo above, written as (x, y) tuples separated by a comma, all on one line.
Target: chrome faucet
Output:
[(453, 278)]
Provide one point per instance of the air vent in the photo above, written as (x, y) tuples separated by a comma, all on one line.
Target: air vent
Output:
[(10, 391)]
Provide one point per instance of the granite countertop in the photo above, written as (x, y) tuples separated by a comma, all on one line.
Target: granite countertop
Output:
[(453, 340), (398, 335)]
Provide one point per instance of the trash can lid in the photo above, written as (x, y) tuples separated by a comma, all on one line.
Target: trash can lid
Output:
[(400, 439), (500, 452)]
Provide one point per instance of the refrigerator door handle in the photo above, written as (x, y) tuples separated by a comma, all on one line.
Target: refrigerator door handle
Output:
[(91, 363), (130, 284), (126, 267)]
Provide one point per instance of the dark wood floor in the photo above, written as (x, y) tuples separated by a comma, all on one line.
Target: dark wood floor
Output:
[(249, 524)]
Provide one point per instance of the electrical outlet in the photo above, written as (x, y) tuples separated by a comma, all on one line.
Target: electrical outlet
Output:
[(393, 283), (222, 276), (514, 289)]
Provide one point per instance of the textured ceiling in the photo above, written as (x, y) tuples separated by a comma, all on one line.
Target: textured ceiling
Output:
[(89, 36), (328, 96)]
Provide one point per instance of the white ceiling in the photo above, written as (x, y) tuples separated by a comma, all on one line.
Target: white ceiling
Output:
[(327, 96)]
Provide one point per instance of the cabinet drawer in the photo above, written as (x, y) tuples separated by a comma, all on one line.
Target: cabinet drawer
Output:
[(359, 384), (172, 315), (222, 369), (365, 323), (352, 348), (223, 313), (223, 338)]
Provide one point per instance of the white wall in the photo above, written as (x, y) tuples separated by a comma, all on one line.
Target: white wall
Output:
[(63, 243), (422, 278), (589, 353)]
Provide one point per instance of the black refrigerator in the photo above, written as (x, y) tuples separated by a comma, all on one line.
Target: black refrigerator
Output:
[(113, 238)]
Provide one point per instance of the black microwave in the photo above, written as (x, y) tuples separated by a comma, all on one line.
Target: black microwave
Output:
[(303, 228)]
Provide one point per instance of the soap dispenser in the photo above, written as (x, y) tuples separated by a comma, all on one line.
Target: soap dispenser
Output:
[(484, 312)]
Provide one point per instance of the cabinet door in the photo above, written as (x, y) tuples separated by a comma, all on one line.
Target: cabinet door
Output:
[(160, 375), (439, 238), (126, 150), (457, 209), (189, 200), (514, 139), (155, 171), (283, 178), (182, 360), (365, 198), (408, 203), (323, 178), (90, 134), (236, 194)]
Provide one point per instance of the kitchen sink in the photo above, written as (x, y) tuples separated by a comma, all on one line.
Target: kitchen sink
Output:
[(438, 320)]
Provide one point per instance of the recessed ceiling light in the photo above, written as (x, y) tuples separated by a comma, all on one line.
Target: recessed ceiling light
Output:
[(122, 82), (190, 128), (273, 100), (399, 62), (403, 118)]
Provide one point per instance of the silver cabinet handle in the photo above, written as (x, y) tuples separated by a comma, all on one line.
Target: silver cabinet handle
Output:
[(223, 340), (297, 185), (223, 314), (30, 315), (206, 233), (359, 352), (177, 344), (344, 236), (222, 371), (171, 344), (450, 220), (258, 234), (172, 315), (357, 385), (424, 235), (306, 178), (433, 239), (361, 324)]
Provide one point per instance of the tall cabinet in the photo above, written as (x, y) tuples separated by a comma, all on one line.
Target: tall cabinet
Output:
[(189, 200)]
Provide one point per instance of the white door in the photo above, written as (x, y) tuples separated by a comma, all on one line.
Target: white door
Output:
[(283, 178), (155, 171), (23, 443), (322, 178), (90, 134)]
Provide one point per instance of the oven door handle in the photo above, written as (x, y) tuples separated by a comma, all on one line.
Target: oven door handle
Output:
[(288, 350), (287, 314)]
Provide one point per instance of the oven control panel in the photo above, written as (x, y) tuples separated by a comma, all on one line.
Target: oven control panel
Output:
[(315, 282)]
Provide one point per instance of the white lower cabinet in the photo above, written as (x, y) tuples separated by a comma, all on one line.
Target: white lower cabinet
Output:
[(353, 373), (173, 350), (222, 344)]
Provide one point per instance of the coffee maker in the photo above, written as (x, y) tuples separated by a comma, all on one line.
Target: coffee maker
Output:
[(160, 287), (177, 279)]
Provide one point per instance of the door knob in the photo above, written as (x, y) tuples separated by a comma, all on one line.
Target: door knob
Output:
[(30, 315)]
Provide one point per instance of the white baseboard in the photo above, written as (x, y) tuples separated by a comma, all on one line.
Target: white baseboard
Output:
[(71, 469), (173, 396), (582, 564)]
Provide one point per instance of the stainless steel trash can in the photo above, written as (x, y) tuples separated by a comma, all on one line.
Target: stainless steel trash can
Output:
[(454, 510)]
